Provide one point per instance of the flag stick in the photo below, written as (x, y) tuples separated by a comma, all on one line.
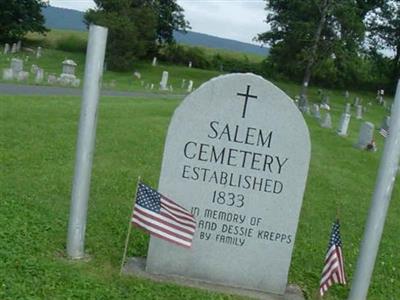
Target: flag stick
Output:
[(379, 206), (129, 228)]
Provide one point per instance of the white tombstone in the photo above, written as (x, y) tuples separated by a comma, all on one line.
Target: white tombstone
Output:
[(39, 52), (152, 86), (22, 76), (76, 83), (69, 67), (39, 76), (315, 111), (344, 124), (236, 155), (6, 49), (347, 109), (18, 46), (190, 86), (154, 63), (17, 65), (164, 81), (137, 74), (8, 74), (52, 79), (190, 64), (183, 83), (14, 48), (327, 121), (366, 135), (359, 112), (67, 76)]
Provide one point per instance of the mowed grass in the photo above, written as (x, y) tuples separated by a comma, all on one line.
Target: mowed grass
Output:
[(38, 137)]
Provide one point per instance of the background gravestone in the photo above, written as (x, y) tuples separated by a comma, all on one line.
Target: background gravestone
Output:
[(236, 155)]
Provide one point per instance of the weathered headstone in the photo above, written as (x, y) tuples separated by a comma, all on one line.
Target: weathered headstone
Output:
[(22, 76), (346, 95), (137, 75), (315, 111), (183, 83), (18, 46), (347, 109), (14, 48), (385, 123), (171, 88), (8, 74), (17, 65), (237, 154), (67, 76), (190, 86), (39, 76), (303, 104), (39, 52), (164, 81), (154, 63), (327, 121), (152, 86), (359, 112), (344, 124), (52, 79), (190, 64), (356, 101), (76, 83), (6, 49), (366, 135)]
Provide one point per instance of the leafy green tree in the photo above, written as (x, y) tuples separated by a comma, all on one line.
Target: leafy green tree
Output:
[(384, 28), (136, 27), (17, 17), (306, 34), (132, 30), (170, 18)]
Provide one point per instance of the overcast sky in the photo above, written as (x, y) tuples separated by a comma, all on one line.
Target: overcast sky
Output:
[(240, 20)]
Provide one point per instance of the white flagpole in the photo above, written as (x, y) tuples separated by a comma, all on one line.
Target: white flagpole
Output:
[(380, 203), (129, 228)]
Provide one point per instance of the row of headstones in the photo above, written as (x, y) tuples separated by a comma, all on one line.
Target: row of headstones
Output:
[(188, 85), (16, 71), (16, 47), (154, 62), (366, 135)]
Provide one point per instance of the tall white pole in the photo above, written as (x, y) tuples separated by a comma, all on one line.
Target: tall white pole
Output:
[(379, 206), (86, 141)]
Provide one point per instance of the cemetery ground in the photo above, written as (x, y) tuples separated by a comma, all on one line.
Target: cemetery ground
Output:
[(38, 150)]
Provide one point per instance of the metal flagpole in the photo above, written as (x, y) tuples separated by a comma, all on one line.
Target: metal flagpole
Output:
[(380, 203), (86, 140), (129, 228)]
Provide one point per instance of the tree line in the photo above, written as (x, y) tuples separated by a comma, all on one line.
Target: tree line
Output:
[(341, 43)]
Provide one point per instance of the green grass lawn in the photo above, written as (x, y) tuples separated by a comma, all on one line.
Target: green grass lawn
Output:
[(38, 136)]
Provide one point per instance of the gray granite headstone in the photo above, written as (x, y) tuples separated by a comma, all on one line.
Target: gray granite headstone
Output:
[(8, 74), (366, 135), (327, 121), (190, 86), (344, 124), (347, 109), (18, 46), (6, 49), (14, 48), (315, 111), (39, 75), (236, 155), (164, 81), (17, 65), (22, 76), (359, 112)]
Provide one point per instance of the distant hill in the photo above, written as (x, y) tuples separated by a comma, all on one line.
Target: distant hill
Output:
[(61, 18)]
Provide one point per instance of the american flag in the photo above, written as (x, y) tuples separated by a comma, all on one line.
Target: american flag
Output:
[(333, 271), (162, 217), (384, 132)]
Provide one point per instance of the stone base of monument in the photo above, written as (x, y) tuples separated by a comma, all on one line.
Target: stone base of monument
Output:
[(136, 266)]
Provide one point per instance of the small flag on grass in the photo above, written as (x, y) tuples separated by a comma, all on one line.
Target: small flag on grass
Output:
[(333, 271), (384, 132), (162, 217)]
